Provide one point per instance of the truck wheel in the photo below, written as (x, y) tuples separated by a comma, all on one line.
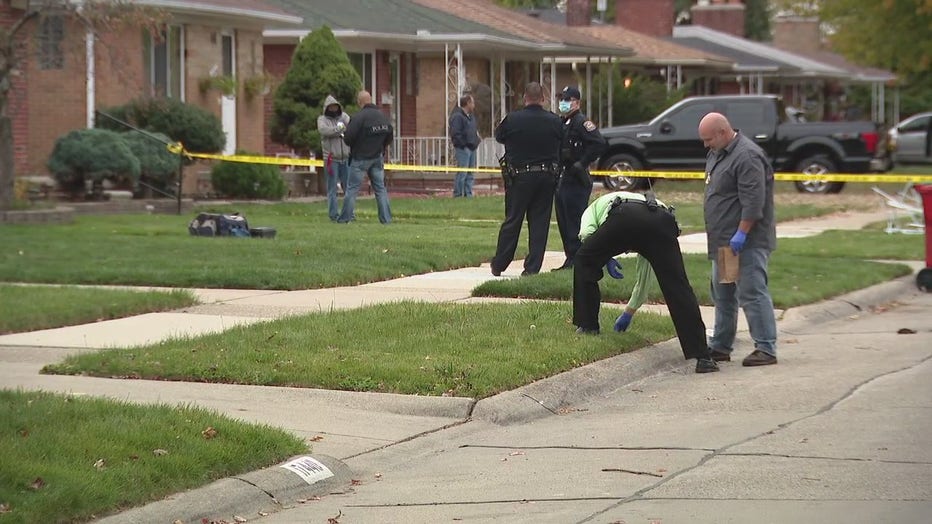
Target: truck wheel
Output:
[(624, 162), (817, 165)]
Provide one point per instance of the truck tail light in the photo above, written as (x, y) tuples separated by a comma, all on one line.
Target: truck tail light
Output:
[(870, 141)]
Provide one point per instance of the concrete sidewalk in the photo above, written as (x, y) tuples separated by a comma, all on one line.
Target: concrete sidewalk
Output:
[(347, 425)]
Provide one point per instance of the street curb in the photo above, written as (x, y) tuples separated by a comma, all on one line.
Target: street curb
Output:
[(244, 496), (560, 392), (854, 303)]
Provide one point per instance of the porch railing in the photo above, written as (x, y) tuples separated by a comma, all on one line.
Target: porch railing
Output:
[(438, 151)]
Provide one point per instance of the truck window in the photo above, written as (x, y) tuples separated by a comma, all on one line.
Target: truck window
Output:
[(751, 114), (685, 122), (919, 124)]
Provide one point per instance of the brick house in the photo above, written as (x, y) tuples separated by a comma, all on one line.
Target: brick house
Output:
[(418, 60), (66, 74)]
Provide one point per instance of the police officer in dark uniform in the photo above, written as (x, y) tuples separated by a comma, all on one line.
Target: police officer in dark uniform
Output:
[(532, 147), (582, 145)]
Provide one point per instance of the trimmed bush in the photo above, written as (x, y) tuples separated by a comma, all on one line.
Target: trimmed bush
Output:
[(198, 129), (244, 180), (158, 166), (92, 154)]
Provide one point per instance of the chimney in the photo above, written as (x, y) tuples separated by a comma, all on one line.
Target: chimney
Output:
[(649, 17), (578, 12), (797, 33), (726, 16)]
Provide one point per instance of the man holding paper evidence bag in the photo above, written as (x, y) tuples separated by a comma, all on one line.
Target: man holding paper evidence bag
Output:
[(741, 231)]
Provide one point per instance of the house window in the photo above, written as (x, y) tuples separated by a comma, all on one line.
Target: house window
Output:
[(226, 42), (50, 35), (164, 59), (362, 63)]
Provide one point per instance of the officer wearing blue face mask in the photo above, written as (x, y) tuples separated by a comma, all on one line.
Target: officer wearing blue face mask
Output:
[(582, 144)]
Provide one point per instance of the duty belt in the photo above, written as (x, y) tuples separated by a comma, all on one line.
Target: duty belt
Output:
[(537, 168), (618, 201)]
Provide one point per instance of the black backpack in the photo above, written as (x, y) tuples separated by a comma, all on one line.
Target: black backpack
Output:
[(219, 225)]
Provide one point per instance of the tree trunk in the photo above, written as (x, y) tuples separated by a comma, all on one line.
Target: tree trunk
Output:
[(6, 163)]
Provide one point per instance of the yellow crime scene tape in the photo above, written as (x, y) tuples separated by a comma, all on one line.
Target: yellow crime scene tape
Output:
[(178, 149)]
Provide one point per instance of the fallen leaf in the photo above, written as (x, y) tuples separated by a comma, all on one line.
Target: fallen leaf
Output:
[(159, 452), (209, 433), (316, 438), (906, 331), (335, 520), (24, 432), (355, 482), (237, 518), (100, 464), (134, 457), (37, 484)]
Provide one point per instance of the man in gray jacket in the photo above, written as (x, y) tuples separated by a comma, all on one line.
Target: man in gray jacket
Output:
[(739, 217), (331, 124), (465, 138)]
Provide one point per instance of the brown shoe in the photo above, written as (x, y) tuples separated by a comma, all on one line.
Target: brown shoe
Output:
[(759, 358), (719, 356)]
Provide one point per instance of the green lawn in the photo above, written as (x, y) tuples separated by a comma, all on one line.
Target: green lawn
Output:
[(30, 308), (428, 234), (71, 459), (412, 347)]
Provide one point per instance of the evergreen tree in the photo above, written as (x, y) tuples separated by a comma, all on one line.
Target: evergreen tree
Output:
[(757, 20), (319, 68)]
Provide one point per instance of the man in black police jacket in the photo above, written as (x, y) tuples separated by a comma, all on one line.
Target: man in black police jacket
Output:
[(532, 147), (369, 135), (582, 145)]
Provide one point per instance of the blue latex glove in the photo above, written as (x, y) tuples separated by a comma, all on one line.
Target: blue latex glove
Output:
[(614, 269), (737, 241), (623, 321)]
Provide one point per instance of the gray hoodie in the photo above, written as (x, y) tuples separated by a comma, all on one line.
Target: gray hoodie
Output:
[(331, 136)]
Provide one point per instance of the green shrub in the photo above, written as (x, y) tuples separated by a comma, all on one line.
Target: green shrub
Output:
[(642, 100), (158, 165), (92, 154), (198, 129), (244, 180)]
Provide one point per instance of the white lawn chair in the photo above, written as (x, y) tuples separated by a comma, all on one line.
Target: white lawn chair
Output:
[(905, 211)]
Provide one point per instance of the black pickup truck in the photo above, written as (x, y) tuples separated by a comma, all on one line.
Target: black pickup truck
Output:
[(671, 142)]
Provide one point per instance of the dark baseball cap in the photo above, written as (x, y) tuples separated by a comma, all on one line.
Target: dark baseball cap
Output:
[(570, 92)]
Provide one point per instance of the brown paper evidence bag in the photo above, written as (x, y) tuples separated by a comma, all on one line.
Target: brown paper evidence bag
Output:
[(727, 264)]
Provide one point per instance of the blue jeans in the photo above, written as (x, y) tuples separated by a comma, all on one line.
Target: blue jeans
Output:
[(337, 172), (375, 170), (752, 294), (462, 184)]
